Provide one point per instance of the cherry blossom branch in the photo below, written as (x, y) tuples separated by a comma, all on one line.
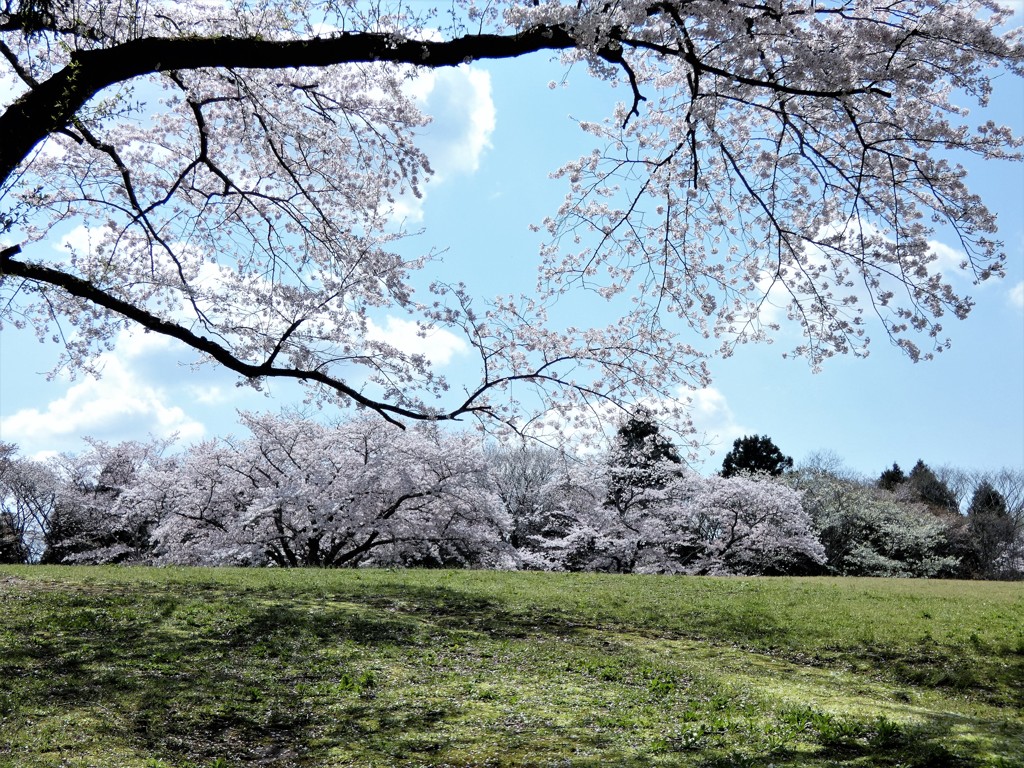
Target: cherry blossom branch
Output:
[(83, 289), (761, 142), (52, 104)]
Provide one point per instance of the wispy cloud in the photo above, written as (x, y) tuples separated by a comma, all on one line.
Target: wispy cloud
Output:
[(437, 345), (124, 403), (1017, 295), (463, 118), (714, 421), (948, 260)]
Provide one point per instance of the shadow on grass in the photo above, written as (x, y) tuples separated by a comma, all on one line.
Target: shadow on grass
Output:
[(219, 675), (261, 678), (992, 678), (188, 680)]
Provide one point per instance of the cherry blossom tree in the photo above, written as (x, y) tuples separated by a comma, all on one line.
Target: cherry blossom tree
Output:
[(238, 167), (29, 491), (748, 524), (584, 532), (534, 483), (298, 493), (689, 524), (94, 518)]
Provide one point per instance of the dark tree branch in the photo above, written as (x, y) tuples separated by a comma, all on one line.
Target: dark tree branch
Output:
[(615, 56), (95, 295), (51, 105)]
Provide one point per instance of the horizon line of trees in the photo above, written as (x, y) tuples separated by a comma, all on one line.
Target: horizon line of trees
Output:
[(361, 493)]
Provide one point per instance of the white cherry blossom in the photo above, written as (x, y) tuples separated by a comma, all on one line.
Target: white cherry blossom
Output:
[(794, 152)]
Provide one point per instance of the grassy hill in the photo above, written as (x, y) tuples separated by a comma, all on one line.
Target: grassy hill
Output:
[(153, 668)]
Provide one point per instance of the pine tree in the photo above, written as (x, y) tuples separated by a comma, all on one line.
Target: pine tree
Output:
[(755, 454), (890, 479), (930, 489), (639, 460)]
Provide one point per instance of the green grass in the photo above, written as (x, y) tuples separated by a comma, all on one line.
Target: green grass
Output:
[(154, 668)]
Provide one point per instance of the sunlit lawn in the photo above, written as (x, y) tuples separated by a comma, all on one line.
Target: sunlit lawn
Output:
[(203, 668)]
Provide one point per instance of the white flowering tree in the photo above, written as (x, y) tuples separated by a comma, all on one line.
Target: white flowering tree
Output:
[(868, 531), (750, 525), (589, 533), (297, 493), (535, 484), (28, 499), (94, 518), (746, 524), (238, 166)]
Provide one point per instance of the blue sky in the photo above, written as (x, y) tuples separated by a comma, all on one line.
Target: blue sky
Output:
[(499, 130)]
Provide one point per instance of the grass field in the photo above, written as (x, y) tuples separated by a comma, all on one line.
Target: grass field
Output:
[(153, 668)]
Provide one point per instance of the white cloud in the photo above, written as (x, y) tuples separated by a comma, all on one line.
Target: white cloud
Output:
[(209, 394), (714, 419), (463, 118), (948, 260), (78, 240), (458, 101), (122, 404), (1017, 295), (438, 345)]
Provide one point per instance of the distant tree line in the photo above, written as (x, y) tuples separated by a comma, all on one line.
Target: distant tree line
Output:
[(361, 493)]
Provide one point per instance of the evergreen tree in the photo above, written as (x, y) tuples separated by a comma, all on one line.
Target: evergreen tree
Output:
[(929, 489), (639, 460), (755, 454), (890, 479), (987, 501), (991, 531)]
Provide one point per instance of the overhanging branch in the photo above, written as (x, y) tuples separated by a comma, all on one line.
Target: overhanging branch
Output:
[(50, 106), (83, 289)]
